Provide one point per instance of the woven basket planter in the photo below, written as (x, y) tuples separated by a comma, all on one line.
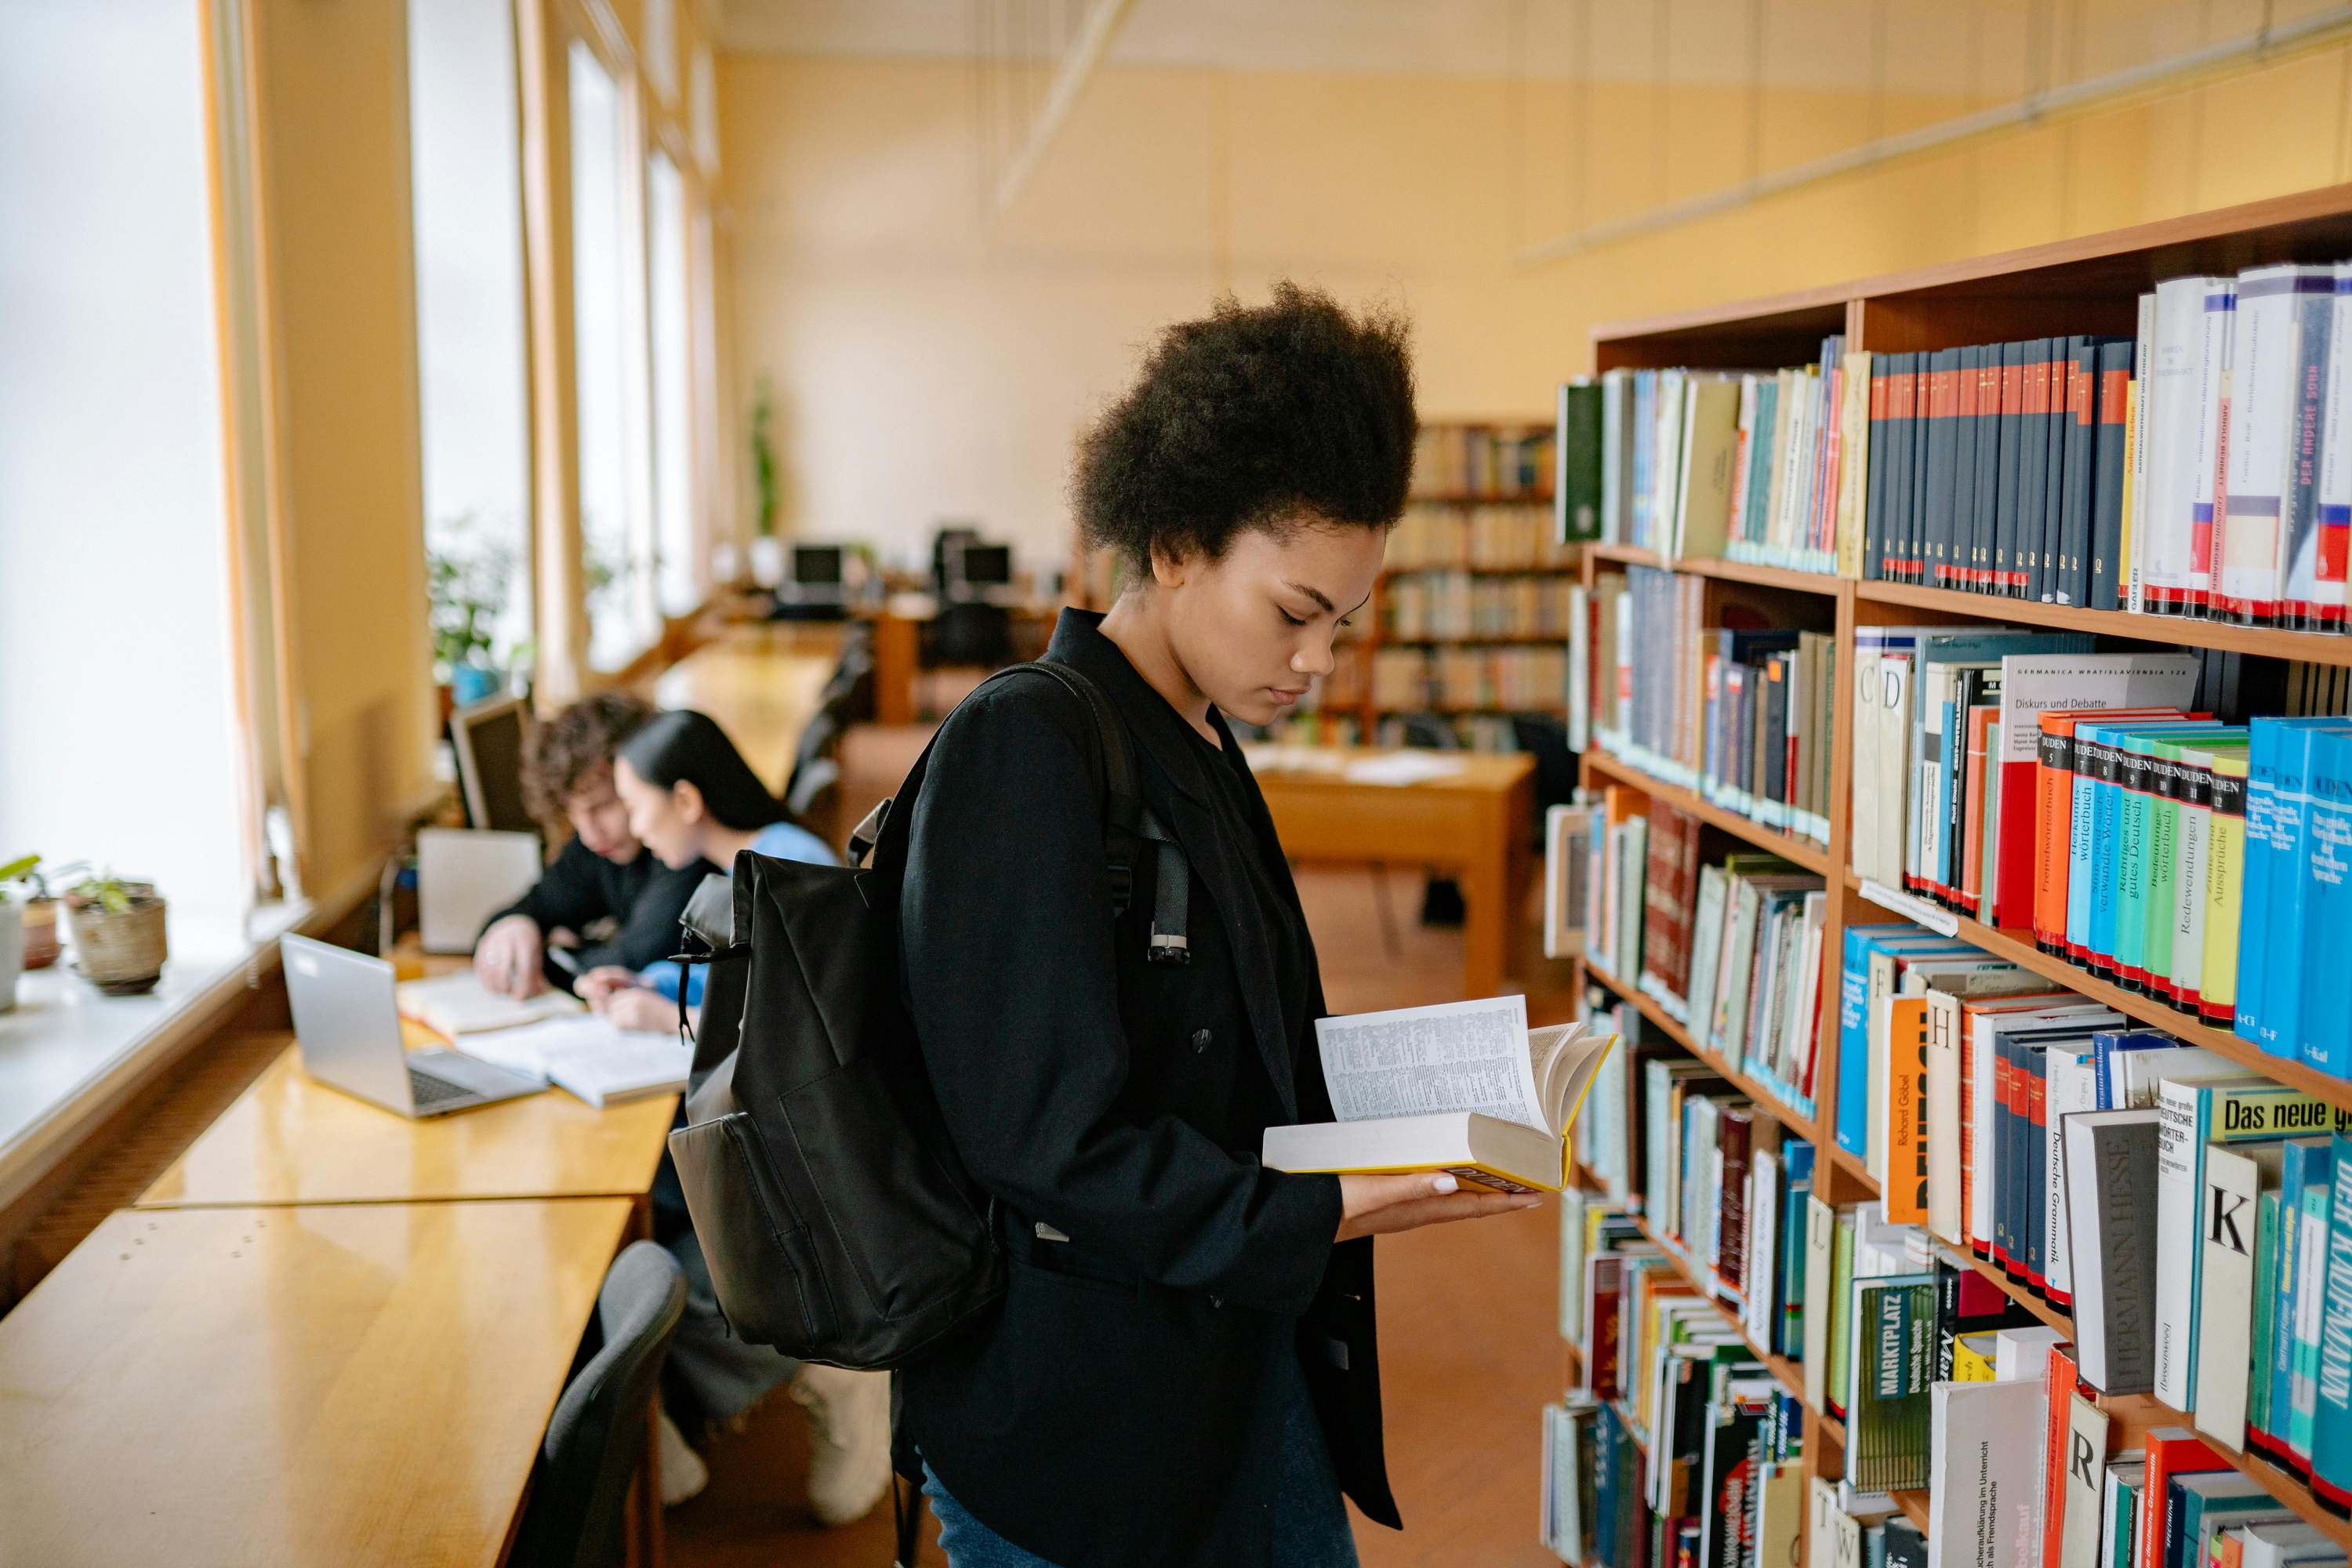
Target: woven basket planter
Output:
[(123, 952)]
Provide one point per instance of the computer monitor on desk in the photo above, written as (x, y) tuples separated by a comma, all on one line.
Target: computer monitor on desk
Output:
[(491, 739), (969, 572), (816, 584)]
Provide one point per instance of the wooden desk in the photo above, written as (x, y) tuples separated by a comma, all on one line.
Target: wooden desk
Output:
[(350, 1384), (763, 684), (291, 1139), (1477, 822)]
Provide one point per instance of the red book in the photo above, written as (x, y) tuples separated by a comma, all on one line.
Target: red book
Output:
[(2171, 1451), (2054, 1448), (1600, 1331)]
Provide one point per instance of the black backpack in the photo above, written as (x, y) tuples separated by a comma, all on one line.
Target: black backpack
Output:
[(839, 1223)]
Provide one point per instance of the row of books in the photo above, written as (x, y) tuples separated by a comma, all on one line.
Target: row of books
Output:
[(1732, 950), (1500, 538), (2016, 779), (1721, 464), (1482, 461), (2000, 468), (1461, 604), (1468, 679), (1741, 713), (2241, 505)]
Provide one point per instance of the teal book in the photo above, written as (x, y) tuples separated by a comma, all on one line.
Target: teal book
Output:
[(2266, 1276), (2331, 1421), (2199, 1499), (2313, 1227), (2119, 1541), (2096, 855), (2279, 1025), (2307, 1168), (2326, 1033)]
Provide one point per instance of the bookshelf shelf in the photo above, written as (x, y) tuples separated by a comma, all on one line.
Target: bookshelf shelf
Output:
[(2089, 284), (1788, 845), (1766, 1100), (1915, 1506), (1729, 571), (2176, 631), (2157, 1015)]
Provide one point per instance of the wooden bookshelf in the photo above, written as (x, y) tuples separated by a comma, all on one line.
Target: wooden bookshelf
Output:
[(1769, 1103), (1791, 846), (2089, 284)]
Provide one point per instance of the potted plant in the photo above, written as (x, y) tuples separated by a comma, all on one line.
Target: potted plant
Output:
[(118, 934), (767, 549), (469, 591), (12, 928), (23, 887)]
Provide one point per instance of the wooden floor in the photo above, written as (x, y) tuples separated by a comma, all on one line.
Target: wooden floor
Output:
[(1469, 1346)]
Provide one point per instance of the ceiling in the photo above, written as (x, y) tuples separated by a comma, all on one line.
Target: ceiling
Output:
[(1925, 45)]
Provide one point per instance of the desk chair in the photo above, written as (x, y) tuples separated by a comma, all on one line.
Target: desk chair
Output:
[(598, 1432)]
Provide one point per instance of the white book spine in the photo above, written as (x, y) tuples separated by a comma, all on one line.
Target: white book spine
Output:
[(2262, 386), (2176, 1239), (2144, 397), (2169, 435), (2214, 385), (2071, 1086), (2335, 447), (2232, 1189)]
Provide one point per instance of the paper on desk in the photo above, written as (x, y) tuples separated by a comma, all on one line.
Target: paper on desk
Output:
[(1405, 768), (587, 1056)]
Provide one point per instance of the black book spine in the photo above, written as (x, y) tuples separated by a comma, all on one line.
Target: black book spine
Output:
[(1900, 497), (1920, 422), (1964, 468), (1776, 726), (1988, 483), (1943, 446), (2054, 488), (2037, 1172), (2004, 1063), (2011, 423), (2082, 468), (2032, 467), (2107, 482), (1874, 516)]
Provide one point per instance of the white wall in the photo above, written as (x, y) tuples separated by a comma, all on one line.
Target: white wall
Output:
[(117, 724)]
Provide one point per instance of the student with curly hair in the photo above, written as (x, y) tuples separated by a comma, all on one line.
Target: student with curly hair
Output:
[(602, 877), (1184, 1369)]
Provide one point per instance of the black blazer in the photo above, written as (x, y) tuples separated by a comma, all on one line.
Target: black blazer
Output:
[(583, 887), (1105, 1417)]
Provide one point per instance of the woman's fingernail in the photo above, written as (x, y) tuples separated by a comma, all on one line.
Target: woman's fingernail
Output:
[(1444, 1185)]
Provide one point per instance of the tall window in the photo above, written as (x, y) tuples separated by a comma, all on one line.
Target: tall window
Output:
[(616, 522), (673, 382), (466, 180)]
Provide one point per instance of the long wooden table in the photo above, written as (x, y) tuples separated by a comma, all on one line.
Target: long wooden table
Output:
[(347, 1384), (1476, 822), (291, 1139)]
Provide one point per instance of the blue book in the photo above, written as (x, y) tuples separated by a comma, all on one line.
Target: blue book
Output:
[(2308, 1167), (2254, 901), (2106, 1043), (2279, 1027), (2331, 1422), (1796, 1162), (1854, 1019), (2324, 891)]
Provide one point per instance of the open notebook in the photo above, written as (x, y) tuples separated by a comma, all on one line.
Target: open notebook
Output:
[(587, 1056), (1462, 1086), (457, 1003)]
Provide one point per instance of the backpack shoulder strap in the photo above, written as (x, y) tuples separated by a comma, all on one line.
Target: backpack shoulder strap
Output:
[(884, 829)]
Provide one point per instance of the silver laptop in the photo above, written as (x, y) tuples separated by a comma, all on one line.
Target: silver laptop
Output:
[(348, 1021)]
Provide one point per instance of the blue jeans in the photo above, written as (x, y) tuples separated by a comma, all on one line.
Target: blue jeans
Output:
[(1310, 1519)]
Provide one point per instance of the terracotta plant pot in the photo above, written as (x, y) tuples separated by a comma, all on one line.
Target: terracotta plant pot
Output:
[(121, 954), (40, 932), (11, 951)]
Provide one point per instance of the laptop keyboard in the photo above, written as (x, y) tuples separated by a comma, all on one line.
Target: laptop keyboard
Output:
[(429, 1090)]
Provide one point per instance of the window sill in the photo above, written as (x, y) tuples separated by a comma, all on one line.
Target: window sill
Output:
[(68, 1054)]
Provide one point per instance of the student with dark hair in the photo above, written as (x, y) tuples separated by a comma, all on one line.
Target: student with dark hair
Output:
[(1183, 1370), (602, 877), (693, 801)]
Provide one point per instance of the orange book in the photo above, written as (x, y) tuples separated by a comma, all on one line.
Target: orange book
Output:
[(1980, 723), (2053, 813), (1907, 1111), (2059, 1381)]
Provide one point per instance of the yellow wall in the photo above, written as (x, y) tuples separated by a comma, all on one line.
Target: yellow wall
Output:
[(930, 365), (333, 89)]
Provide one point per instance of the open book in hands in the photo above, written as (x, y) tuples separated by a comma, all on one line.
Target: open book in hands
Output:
[(1465, 1087)]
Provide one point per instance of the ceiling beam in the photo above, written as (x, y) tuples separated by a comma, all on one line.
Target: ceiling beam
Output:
[(1087, 49)]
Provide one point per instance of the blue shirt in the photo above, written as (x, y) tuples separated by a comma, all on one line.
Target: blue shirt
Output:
[(778, 841)]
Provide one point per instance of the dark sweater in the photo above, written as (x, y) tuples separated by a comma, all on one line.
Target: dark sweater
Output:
[(583, 888)]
